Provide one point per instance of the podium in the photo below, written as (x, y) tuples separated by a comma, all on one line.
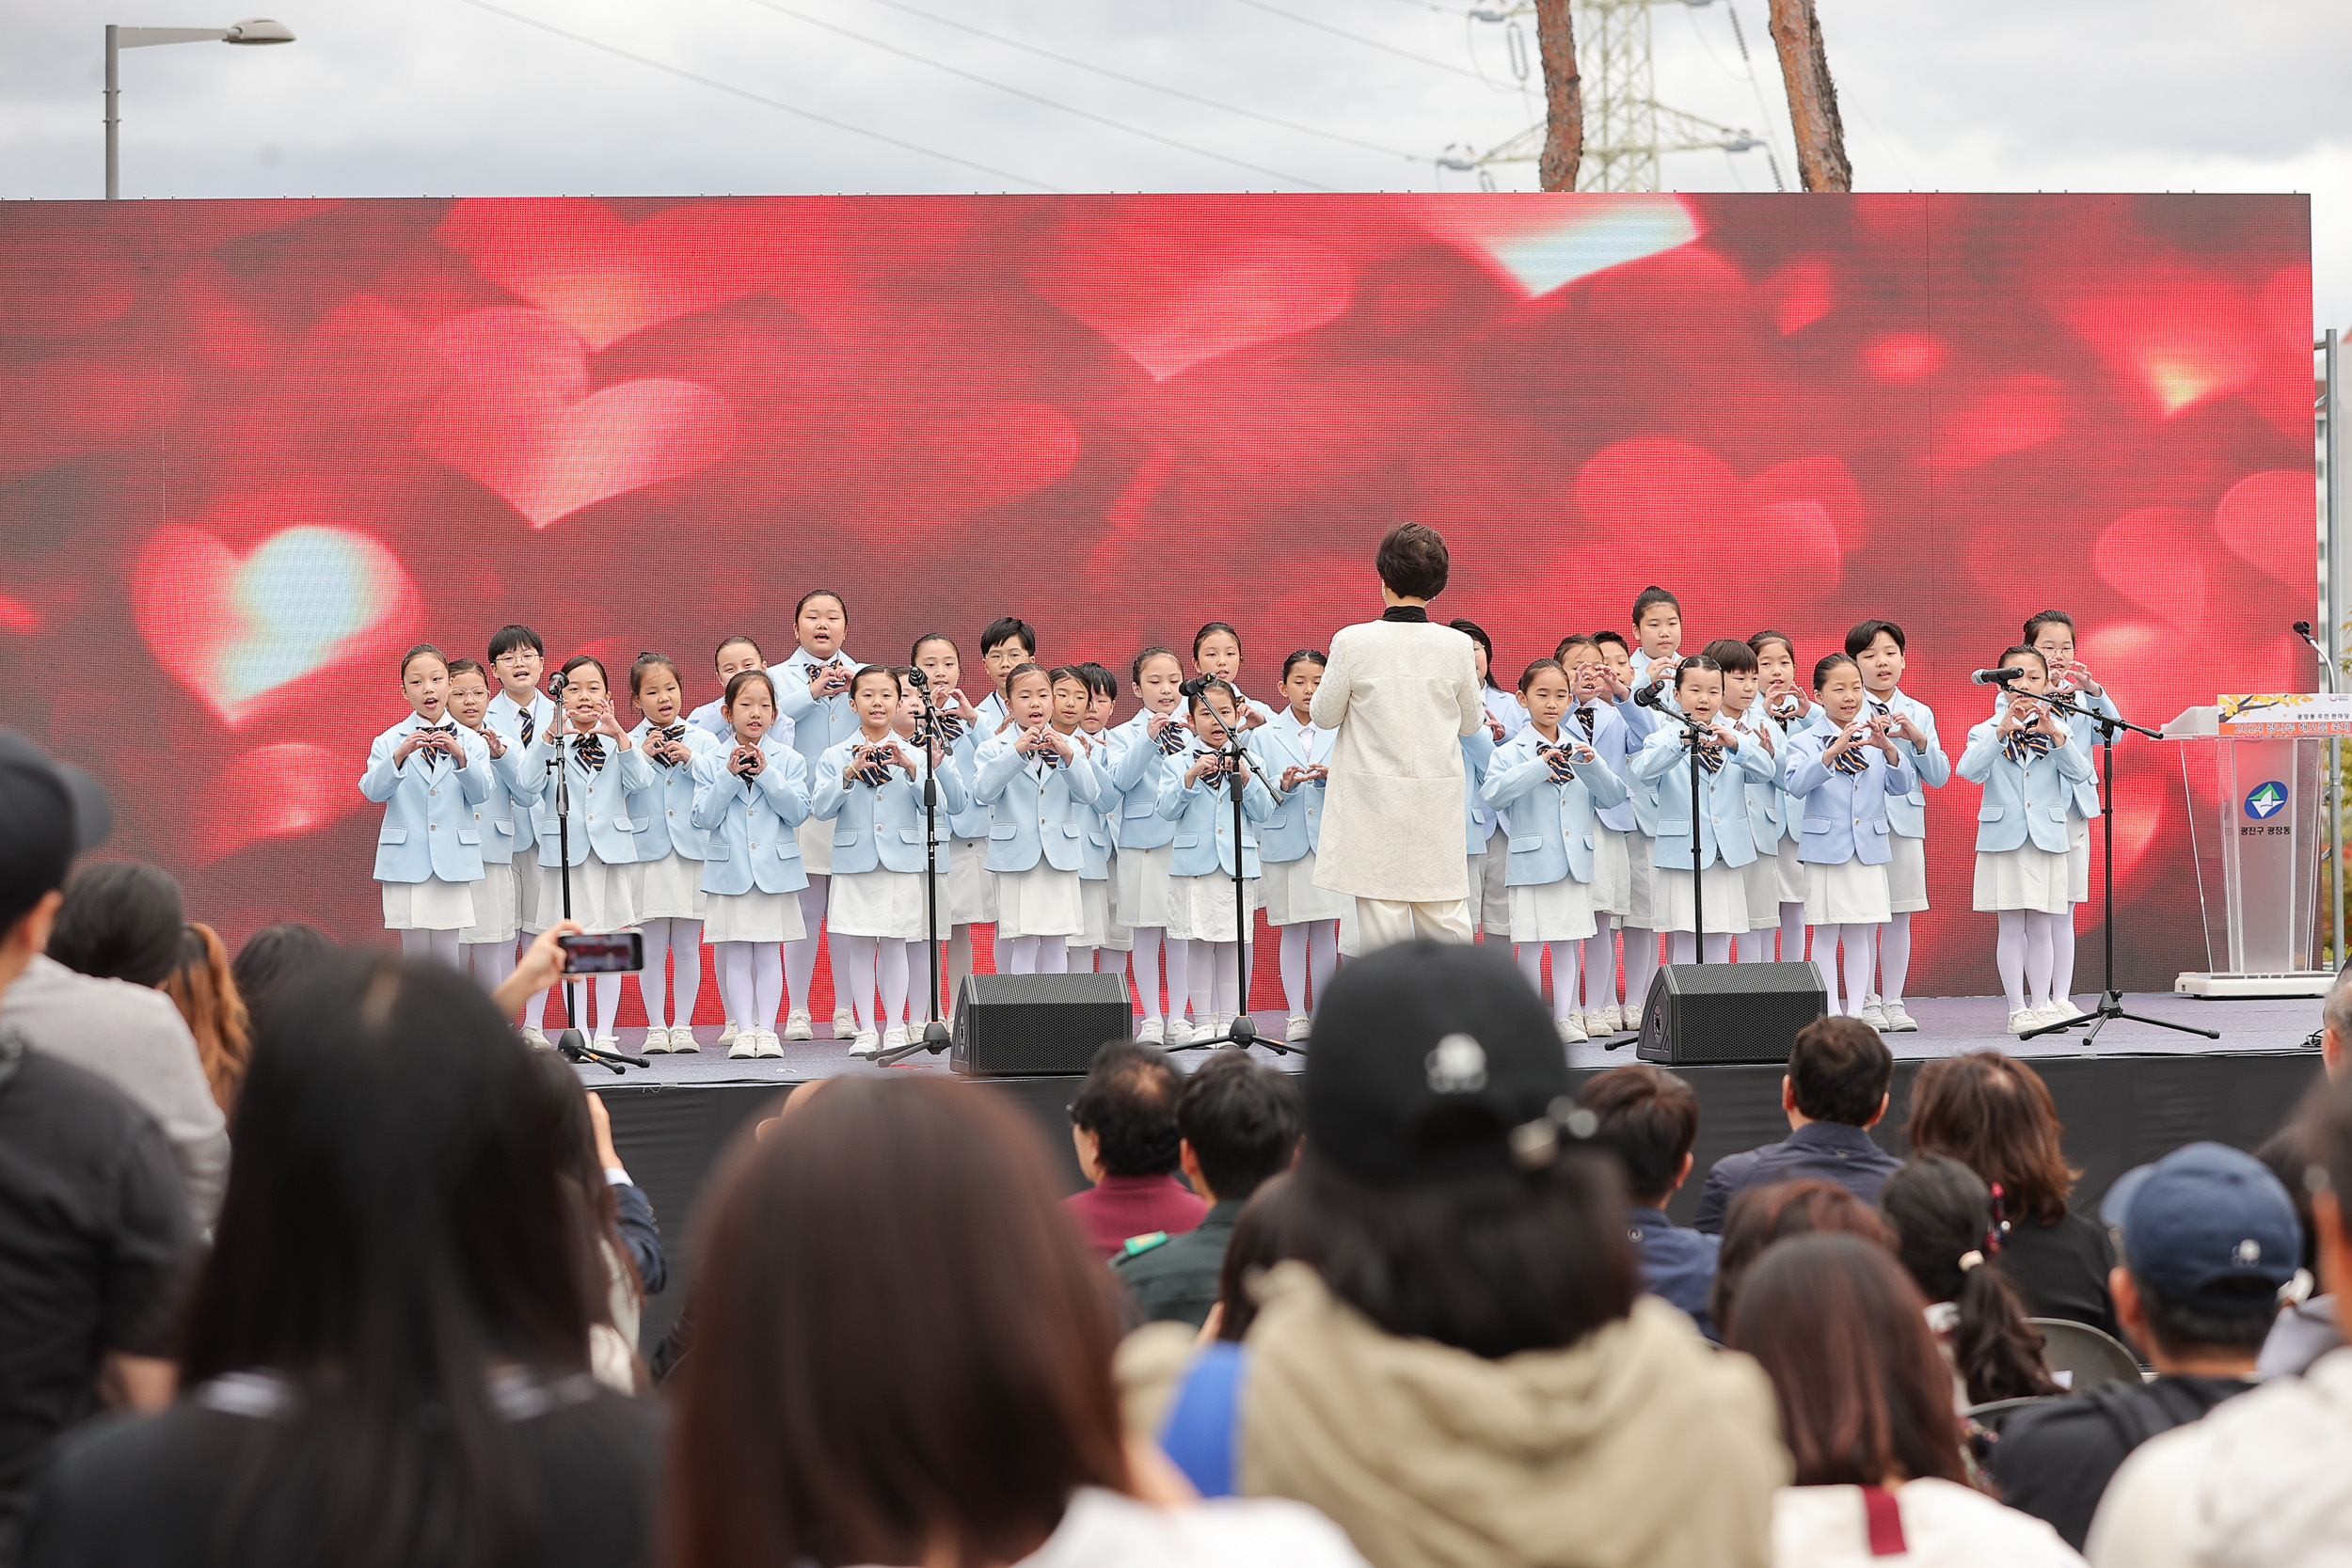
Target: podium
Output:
[(2252, 770)]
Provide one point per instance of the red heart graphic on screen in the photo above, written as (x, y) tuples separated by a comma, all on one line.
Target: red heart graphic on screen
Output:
[(1544, 242), (2155, 557), (234, 629), (1795, 515), (283, 790), (524, 422), (2270, 518), (1170, 310), (607, 279), (2182, 335)]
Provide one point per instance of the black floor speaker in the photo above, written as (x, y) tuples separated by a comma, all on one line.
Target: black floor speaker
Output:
[(1703, 1013), (1037, 1025)]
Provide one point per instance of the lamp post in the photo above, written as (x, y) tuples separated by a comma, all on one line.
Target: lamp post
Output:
[(251, 30)]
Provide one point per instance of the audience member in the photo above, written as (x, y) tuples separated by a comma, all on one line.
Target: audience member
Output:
[(1239, 1122), (2305, 1329), (206, 994), (2265, 1478), (1650, 1119), (1941, 1213), (275, 957), (908, 1361), (1470, 1374), (94, 1229), (2335, 1025), (1762, 1216), (1266, 1234), (92, 1001), (1866, 1404), (1125, 1125), (1994, 1113), (386, 1356), (1841, 1074), (617, 1232), (2209, 1238)]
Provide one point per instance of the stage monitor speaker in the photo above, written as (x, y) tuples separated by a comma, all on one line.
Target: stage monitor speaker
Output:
[(1037, 1025), (1706, 1013)]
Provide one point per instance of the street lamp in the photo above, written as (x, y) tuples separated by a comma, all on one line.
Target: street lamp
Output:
[(252, 30)]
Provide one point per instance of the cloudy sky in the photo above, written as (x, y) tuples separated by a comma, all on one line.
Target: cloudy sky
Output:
[(541, 97)]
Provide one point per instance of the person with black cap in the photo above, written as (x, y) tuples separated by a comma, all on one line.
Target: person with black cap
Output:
[(94, 1226), (1468, 1373)]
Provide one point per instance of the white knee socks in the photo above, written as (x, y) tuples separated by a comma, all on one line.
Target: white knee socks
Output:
[(1310, 952), (663, 938), (490, 962), (1856, 968), (430, 945), (767, 985), (1145, 956), (890, 978), (799, 958), (2063, 954), (1895, 957), (853, 964), (1600, 965), (1566, 958), (1641, 964), (1718, 948)]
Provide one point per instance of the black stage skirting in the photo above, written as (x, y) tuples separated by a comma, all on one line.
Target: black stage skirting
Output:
[(2119, 1111)]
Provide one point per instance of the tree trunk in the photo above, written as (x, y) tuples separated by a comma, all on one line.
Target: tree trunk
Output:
[(1564, 97), (1812, 97)]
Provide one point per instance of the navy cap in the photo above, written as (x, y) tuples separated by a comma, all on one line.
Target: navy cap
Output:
[(2207, 1227), (1427, 1057), (49, 812)]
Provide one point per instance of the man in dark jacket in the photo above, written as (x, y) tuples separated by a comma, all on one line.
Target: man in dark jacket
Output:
[(2209, 1237), (1841, 1074), (1241, 1121), (1650, 1118)]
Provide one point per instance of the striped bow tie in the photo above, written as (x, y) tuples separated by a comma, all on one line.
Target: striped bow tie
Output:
[(1711, 754), (437, 729), (588, 749), (672, 732), (531, 727), (2022, 746), (1851, 761), (1588, 718)]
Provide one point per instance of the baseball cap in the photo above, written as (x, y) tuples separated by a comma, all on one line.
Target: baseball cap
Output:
[(2207, 1227), (1428, 1057), (49, 812)]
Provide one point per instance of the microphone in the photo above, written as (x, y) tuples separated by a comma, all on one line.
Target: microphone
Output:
[(2303, 630), (915, 679), (1997, 677), (1652, 695)]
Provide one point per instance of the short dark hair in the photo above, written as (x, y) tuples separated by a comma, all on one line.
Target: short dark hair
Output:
[(1315, 657), (1826, 663), (725, 643), (1210, 629), (507, 639), (1839, 1070), (1008, 629), (1099, 681), (1697, 665), (1477, 634), (1537, 667), (1649, 1118), (1994, 1115), (2047, 618), (457, 667), (1653, 594), (1135, 671), (1242, 1119), (821, 594), (1730, 655), (1128, 1101), (1413, 560), (272, 958), (2016, 650), (423, 650), (1868, 632), (1605, 636), (1755, 643), (647, 663), (743, 678), (1759, 1217), (121, 920)]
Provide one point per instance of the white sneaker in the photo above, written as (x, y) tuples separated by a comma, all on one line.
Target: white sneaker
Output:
[(769, 1045), (1604, 1021), (1874, 1014), (746, 1045), (2065, 1007), (682, 1039), (607, 1041), (798, 1027), (1153, 1032), (1871, 1004), (727, 1036), (1900, 1021), (2023, 1019), (895, 1037), (1179, 1033), (657, 1041), (1221, 1023), (535, 1039), (2044, 1016), (864, 1043), (1572, 1030), (1628, 1021), (844, 1023), (1297, 1028)]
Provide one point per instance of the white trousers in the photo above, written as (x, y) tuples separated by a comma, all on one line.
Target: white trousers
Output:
[(1385, 921)]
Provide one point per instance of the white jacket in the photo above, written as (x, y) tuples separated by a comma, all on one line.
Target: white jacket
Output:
[(1945, 1525), (1401, 694)]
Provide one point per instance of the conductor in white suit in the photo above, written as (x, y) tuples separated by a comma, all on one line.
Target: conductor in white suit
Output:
[(1401, 691)]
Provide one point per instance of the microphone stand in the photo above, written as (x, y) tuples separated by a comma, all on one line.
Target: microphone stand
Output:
[(1243, 1032), (934, 1036), (2110, 999), (570, 1042)]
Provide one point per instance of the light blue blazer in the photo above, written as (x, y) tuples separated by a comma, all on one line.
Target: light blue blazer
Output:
[(1771, 814), (507, 799), (602, 800), (971, 821), (1202, 815), (1034, 810), (2022, 800), (1478, 819), (1297, 826), (879, 826), (2087, 737), (664, 811), (1615, 738), (1551, 824), (1843, 814), (1137, 772), (1724, 829), (747, 823), (503, 716), (1641, 793), (1907, 814), (816, 728), (1100, 815), (429, 829)]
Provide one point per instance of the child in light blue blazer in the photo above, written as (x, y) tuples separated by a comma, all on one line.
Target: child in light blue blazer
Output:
[(607, 773), (487, 945), (1625, 676), (1841, 767), (1594, 717), (1217, 656), (669, 868), (1776, 880), (1548, 783), (2029, 764), (428, 773), (749, 796), (1141, 752), (1760, 877), (1102, 946), (1036, 780), (970, 891), (2051, 634), (813, 691), (1196, 794), (519, 712), (1489, 852), (869, 789), (1877, 647), (1728, 763), (1296, 756), (737, 654)]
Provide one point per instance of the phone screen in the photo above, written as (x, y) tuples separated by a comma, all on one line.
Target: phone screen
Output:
[(618, 953)]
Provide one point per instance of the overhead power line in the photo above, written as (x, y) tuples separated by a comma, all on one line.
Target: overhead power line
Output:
[(748, 96), (1359, 38)]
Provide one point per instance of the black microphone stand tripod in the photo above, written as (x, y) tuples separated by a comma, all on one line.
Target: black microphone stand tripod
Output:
[(1651, 697), (571, 1043), (927, 731), (1243, 1032)]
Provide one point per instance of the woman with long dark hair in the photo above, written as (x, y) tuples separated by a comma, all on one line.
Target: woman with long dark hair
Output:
[(1941, 1213), (384, 1362)]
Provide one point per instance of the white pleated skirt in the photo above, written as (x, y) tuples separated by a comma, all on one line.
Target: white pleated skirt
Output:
[(1200, 908), (1640, 876), (1762, 879), (1847, 893), (1792, 872), (2025, 878), (1102, 929), (1142, 883), (670, 888), (1039, 902), (1292, 898), (1726, 888), (604, 897), (432, 904), (815, 841), (2078, 860), (753, 916), (1907, 874), (1552, 911), (887, 905), (971, 885), (1612, 873), (497, 908), (526, 870)]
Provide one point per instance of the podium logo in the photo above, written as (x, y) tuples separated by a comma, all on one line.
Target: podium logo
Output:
[(2266, 801)]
